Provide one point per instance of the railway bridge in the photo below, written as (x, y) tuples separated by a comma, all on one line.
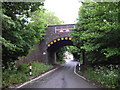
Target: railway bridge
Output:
[(56, 37)]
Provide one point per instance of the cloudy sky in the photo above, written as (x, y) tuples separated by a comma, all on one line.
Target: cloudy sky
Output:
[(66, 10)]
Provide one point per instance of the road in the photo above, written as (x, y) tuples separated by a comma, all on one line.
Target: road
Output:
[(63, 77)]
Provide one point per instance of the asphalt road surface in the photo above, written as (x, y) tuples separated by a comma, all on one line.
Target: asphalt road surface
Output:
[(63, 77)]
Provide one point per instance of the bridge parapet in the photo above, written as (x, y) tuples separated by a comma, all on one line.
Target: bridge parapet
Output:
[(57, 31)]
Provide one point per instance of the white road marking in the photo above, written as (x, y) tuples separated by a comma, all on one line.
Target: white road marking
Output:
[(81, 76), (78, 74), (36, 78)]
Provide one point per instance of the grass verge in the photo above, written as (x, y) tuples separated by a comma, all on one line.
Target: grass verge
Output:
[(21, 74), (107, 76)]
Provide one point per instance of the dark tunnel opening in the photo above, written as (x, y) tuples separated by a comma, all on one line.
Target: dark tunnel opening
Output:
[(53, 49)]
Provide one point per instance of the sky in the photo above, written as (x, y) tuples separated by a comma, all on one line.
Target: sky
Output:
[(66, 10)]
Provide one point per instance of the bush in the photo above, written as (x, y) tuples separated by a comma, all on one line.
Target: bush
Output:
[(40, 68), (22, 73), (105, 75)]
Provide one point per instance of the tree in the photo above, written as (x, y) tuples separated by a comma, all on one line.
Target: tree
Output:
[(71, 49), (19, 36), (60, 53), (47, 18), (74, 50), (98, 31), (51, 19)]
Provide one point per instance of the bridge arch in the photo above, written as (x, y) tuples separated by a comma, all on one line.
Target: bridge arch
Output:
[(55, 45), (60, 42)]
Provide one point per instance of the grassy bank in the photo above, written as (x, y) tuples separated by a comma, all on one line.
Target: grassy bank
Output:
[(108, 76), (21, 73)]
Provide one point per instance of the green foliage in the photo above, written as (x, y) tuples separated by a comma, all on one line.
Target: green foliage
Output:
[(21, 74), (21, 8), (40, 68), (48, 18), (98, 30), (51, 19), (75, 51), (72, 49), (7, 44), (108, 76), (60, 53), (19, 34)]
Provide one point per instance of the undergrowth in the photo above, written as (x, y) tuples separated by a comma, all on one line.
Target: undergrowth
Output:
[(21, 73), (105, 75), (60, 62)]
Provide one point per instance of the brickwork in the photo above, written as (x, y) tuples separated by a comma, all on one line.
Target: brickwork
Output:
[(45, 53)]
